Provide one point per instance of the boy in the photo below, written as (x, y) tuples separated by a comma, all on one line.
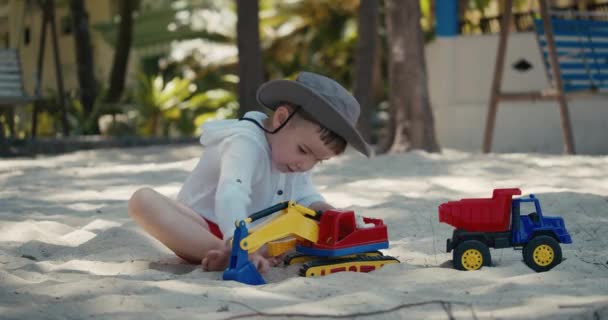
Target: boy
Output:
[(250, 164)]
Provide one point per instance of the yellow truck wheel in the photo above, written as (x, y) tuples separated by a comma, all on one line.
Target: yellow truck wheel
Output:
[(542, 253), (471, 255)]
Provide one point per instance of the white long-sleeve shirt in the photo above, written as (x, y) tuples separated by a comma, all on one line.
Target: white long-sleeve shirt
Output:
[(235, 176)]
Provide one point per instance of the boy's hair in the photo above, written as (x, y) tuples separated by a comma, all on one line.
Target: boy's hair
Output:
[(336, 143)]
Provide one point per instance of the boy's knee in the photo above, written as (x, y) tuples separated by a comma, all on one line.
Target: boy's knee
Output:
[(139, 199)]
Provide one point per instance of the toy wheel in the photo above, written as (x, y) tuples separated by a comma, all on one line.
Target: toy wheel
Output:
[(542, 253), (471, 255)]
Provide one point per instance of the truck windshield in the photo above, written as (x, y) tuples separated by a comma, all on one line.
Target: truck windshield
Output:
[(526, 208)]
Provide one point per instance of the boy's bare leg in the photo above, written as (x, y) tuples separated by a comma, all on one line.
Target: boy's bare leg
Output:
[(178, 227), (183, 231)]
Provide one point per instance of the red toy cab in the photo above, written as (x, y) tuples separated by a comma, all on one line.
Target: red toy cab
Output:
[(339, 235)]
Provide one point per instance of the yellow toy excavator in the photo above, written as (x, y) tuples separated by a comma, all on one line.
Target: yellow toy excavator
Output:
[(328, 242)]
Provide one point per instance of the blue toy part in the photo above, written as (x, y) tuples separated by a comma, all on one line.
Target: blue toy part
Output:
[(525, 227), (240, 268), (341, 252), (559, 227)]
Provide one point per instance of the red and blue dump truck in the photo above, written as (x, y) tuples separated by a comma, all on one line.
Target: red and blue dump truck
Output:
[(498, 222)]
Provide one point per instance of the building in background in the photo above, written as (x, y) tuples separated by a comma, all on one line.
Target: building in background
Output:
[(161, 29), (20, 26)]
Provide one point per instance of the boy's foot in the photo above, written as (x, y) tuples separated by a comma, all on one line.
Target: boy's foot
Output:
[(216, 260)]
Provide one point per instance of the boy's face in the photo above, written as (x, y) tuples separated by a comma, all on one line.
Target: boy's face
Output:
[(297, 147)]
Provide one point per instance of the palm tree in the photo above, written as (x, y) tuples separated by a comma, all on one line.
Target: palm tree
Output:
[(121, 52), (412, 125), (250, 68), (84, 56), (365, 62)]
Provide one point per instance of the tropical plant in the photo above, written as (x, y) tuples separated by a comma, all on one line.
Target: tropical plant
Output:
[(250, 67), (161, 106), (83, 121), (318, 36)]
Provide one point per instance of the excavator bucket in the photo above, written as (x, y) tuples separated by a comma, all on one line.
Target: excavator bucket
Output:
[(240, 268)]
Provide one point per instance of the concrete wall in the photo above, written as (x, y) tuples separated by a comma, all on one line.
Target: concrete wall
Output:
[(460, 77)]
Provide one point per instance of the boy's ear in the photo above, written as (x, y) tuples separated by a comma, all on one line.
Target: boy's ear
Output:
[(279, 116)]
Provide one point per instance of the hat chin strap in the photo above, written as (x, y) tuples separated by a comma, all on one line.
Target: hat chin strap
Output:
[(275, 130)]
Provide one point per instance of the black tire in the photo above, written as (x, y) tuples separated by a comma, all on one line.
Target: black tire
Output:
[(471, 255), (542, 253)]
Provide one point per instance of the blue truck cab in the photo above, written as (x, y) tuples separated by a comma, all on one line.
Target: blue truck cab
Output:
[(526, 227)]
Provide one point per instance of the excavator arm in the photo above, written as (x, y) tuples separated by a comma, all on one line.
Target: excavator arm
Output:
[(294, 220)]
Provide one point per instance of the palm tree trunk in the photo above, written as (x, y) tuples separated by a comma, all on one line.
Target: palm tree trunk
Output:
[(121, 52), (412, 125), (84, 58), (251, 69), (365, 62), (397, 79)]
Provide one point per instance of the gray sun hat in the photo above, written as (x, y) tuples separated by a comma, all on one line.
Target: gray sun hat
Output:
[(324, 99)]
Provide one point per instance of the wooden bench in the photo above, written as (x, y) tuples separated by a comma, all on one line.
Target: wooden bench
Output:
[(574, 50), (12, 93)]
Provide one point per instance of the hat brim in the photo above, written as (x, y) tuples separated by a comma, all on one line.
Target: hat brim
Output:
[(272, 93)]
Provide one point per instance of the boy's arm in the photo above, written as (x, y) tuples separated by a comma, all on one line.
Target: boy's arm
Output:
[(233, 191)]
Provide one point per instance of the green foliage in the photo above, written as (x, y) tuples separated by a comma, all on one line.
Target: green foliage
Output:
[(48, 124), (163, 107), (480, 5), (199, 82), (6, 114), (318, 36), (79, 121), (83, 123), (165, 23), (50, 112)]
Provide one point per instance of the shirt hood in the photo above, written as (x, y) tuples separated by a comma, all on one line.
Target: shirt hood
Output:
[(213, 132)]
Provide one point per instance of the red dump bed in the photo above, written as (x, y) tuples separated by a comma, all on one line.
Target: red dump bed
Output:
[(480, 215)]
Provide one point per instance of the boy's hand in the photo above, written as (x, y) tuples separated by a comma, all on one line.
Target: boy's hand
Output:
[(258, 258), (276, 261), (260, 262)]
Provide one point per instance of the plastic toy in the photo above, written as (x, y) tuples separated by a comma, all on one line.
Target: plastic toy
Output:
[(498, 223), (326, 242)]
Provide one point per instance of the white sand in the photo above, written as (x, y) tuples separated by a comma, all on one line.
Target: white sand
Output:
[(69, 251)]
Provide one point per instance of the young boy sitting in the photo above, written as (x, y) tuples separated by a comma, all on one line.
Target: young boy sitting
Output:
[(250, 164)]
